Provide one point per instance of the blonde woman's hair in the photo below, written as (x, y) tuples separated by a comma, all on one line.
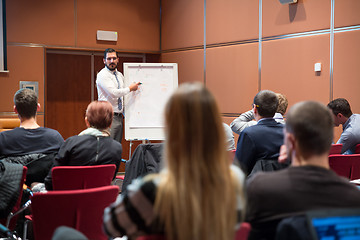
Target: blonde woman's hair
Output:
[(196, 198), (283, 103)]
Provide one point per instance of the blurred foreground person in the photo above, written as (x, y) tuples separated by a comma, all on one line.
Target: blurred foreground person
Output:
[(198, 195)]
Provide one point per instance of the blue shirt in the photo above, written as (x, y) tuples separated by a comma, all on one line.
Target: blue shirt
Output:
[(350, 136)]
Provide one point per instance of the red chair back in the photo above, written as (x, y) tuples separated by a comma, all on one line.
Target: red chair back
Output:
[(80, 209), (357, 149), (346, 165), (17, 204), (243, 232), (82, 177), (335, 149)]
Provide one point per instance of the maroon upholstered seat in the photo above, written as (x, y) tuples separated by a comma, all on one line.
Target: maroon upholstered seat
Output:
[(335, 149), (82, 177), (79, 209), (346, 165)]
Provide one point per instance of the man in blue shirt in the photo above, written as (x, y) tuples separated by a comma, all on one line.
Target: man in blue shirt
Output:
[(343, 115)]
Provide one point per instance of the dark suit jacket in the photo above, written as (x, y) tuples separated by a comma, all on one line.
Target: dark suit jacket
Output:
[(261, 141)]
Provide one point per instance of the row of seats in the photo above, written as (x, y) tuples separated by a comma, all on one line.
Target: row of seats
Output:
[(336, 149), (345, 165), (78, 200), (80, 196), (76, 203)]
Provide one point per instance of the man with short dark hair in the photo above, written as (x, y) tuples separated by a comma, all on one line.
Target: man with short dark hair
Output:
[(247, 119), (29, 137), (308, 184), (110, 87), (263, 140), (343, 115), (30, 145)]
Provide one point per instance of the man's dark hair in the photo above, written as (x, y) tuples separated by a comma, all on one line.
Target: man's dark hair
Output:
[(312, 125), (266, 103), (109, 50), (340, 105), (26, 102)]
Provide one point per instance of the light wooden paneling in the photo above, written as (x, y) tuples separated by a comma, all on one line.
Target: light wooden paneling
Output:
[(190, 65), (137, 23), (182, 23), (41, 21), (288, 68), (231, 20), (347, 13), (232, 76), (305, 15), (346, 68), (40, 119), (24, 64)]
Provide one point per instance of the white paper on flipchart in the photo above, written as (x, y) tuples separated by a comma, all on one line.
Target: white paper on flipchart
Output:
[(148, 103)]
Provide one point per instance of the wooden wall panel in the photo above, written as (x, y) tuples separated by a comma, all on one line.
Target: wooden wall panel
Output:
[(66, 112), (347, 13), (190, 64), (40, 21), (346, 68), (231, 20), (40, 118), (137, 23), (24, 64), (337, 133), (306, 15), (232, 76), (288, 68), (182, 23)]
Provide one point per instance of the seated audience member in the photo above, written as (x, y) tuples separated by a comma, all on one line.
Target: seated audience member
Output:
[(92, 146), (308, 184), (182, 201), (247, 119), (350, 122), (229, 136), (30, 144), (263, 140)]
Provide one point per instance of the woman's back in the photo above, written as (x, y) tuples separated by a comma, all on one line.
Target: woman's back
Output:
[(196, 196)]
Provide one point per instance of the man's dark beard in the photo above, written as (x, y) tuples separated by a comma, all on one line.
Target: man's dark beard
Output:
[(108, 66)]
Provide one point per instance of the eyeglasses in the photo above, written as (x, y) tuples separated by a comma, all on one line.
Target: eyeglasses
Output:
[(111, 58)]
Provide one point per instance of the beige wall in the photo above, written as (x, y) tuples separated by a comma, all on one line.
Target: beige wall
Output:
[(247, 46), (34, 26)]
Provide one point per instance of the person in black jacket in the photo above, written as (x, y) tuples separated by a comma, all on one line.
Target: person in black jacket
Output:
[(93, 146)]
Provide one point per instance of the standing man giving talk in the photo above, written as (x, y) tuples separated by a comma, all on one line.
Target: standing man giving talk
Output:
[(110, 87)]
